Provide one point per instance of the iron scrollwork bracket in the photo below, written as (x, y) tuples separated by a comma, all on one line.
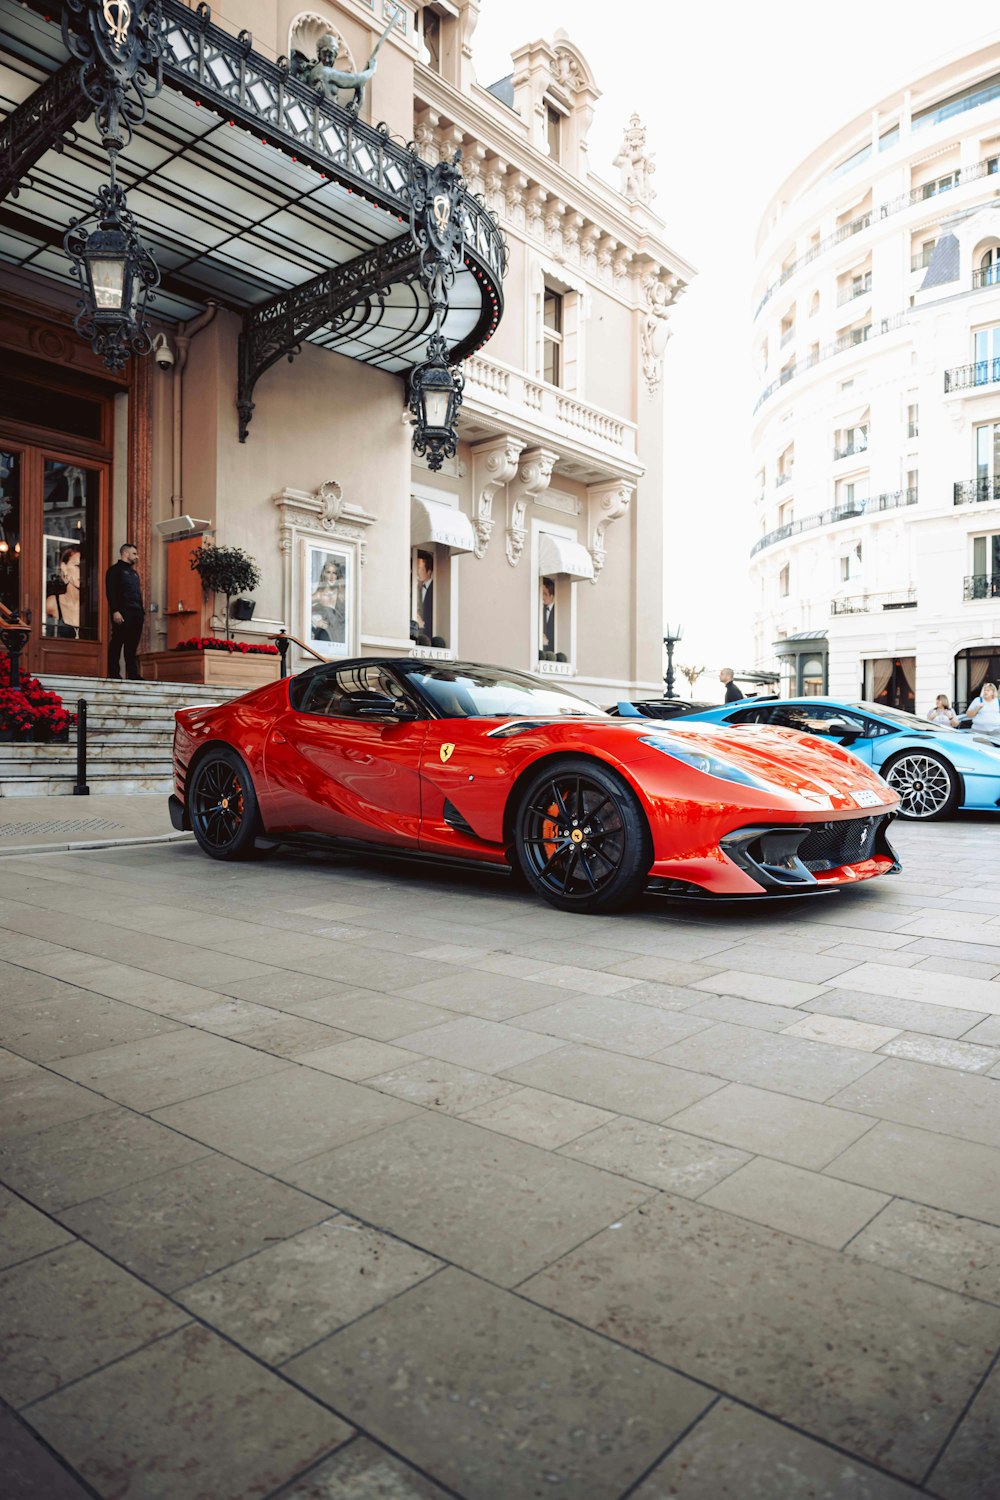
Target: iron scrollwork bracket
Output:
[(436, 224), (275, 329), (118, 45), (39, 124)]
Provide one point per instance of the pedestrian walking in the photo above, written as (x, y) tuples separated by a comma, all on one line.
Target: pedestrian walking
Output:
[(733, 693), (124, 591)]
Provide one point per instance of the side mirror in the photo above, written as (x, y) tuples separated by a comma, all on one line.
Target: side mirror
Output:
[(844, 733)]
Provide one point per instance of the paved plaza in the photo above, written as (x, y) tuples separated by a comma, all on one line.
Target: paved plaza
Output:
[(343, 1179)]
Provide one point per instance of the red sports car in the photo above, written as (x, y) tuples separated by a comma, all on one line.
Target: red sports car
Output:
[(472, 763)]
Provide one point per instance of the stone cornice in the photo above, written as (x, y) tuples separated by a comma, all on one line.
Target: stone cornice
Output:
[(591, 198)]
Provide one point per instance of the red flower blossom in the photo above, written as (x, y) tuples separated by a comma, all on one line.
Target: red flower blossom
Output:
[(213, 643)]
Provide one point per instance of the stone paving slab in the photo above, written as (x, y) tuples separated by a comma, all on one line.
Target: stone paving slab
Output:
[(347, 1180), (855, 1354), (187, 1415), (528, 1405)]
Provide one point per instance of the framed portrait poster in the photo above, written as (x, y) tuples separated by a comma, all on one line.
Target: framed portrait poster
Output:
[(329, 597)]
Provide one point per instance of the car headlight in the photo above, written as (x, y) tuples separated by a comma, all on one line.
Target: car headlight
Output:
[(702, 761)]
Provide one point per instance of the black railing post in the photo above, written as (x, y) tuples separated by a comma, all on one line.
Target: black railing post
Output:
[(282, 642), (81, 789)]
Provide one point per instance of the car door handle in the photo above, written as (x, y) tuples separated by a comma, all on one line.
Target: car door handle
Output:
[(279, 738)]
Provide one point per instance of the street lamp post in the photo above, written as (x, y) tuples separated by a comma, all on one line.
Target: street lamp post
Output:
[(674, 633)]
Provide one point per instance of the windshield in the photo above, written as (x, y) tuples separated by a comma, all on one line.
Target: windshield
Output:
[(487, 693), (902, 720)]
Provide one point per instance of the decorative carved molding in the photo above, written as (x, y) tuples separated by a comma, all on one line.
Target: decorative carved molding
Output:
[(324, 512), (607, 502), (304, 37), (658, 298), (533, 475), (494, 465)]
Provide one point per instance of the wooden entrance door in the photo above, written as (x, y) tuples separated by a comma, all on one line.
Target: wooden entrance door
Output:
[(55, 503), (53, 553)]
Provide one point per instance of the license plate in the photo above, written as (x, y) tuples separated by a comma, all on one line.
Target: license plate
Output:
[(867, 799)]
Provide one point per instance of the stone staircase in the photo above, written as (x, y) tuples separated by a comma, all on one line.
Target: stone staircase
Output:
[(130, 733)]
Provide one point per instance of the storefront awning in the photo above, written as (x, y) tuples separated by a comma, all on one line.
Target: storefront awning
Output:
[(250, 189), (431, 521), (559, 557)]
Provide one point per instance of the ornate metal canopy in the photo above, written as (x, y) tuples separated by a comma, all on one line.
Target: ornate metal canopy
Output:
[(251, 188)]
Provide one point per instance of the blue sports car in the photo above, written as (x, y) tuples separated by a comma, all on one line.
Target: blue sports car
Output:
[(934, 770)]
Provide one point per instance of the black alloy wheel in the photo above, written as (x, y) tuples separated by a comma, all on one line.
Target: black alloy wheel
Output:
[(928, 787), (222, 805), (581, 838)]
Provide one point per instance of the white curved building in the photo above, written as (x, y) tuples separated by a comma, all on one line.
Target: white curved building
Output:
[(876, 434)]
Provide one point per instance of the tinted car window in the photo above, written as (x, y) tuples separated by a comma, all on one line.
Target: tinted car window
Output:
[(816, 720), (753, 716), (330, 691)]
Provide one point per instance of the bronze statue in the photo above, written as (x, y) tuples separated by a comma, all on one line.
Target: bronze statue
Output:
[(331, 81)]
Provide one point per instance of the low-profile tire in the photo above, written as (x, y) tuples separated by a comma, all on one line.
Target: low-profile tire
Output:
[(580, 837), (928, 787), (222, 805)]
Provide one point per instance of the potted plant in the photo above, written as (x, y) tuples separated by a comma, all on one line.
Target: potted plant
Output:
[(225, 570), (212, 659)]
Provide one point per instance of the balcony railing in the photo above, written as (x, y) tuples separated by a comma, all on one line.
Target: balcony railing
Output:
[(850, 450), (922, 261), (870, 505), (987, 276), (785, 478), (847, 340), (787, 334), (982, 586), (856, 289), (980, 372), (836, 238), (894, 205), (863, 604), (575, 419), (972, 491)]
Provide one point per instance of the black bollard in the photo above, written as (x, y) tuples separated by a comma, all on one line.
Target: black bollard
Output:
[(282, 642), (81, 789)]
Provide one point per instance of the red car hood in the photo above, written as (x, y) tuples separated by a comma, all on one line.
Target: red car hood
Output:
[(800, 765)]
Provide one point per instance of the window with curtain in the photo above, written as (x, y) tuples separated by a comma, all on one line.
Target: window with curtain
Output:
[(890, 680)]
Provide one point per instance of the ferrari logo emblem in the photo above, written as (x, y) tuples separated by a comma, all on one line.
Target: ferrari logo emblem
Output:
[(577, 835), (447, 751)]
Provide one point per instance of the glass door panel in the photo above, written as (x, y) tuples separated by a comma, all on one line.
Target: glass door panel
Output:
[(71, 498), (10, 529)]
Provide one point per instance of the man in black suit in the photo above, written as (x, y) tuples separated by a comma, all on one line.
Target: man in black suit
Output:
[(124, 591), (548, 615), (733, 693), (425, 592)]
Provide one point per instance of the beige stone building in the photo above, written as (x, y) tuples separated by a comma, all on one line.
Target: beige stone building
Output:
[(290, 305)]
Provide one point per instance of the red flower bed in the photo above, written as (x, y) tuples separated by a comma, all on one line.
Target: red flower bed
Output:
[(31, 710), (212, 643)]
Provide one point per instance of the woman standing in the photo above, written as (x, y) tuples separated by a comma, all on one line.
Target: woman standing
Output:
[(942, 712), (984, 711)]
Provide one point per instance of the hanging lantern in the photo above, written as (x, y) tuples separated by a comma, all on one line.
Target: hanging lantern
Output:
[(116, 274), (435, 396)]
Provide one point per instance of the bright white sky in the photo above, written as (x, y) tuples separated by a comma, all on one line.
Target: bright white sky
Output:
[(733, 98)]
